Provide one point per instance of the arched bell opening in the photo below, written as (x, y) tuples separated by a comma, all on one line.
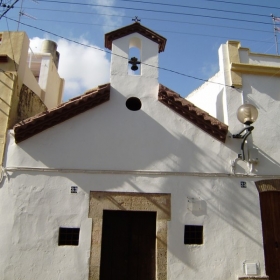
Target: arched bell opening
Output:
[(134, 56)]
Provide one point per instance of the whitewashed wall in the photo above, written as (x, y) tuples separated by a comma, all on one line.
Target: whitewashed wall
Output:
[(209, 97), (262, 91), (37, 204)]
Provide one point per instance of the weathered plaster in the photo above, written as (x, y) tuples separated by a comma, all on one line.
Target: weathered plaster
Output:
[(29, 105), (36, 204)]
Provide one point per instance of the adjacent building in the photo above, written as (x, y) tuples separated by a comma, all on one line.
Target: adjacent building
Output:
[(30, 83)]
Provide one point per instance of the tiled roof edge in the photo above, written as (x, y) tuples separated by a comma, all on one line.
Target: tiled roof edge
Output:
[(132, 28), (195, 115), (75, 106)]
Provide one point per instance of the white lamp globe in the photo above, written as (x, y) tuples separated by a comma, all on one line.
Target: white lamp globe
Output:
[(247, 114)]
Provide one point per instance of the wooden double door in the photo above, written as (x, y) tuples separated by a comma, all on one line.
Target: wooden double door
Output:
[(128, 245), (270, 212)]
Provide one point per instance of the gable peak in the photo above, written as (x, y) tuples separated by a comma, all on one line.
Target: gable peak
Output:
[(132, 28)]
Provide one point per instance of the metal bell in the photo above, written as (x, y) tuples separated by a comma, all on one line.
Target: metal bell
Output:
[(134, 67), (134, 61)]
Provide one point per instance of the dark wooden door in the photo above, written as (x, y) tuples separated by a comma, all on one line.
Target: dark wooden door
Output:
[(270, 212), (128, 245)]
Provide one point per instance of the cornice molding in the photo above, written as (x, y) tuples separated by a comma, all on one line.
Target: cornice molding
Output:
[(255, 69)]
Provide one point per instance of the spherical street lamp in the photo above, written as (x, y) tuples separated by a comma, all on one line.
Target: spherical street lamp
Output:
[(247, 114)]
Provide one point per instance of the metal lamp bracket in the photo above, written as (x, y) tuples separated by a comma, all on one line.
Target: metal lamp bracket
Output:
[(243, 134)]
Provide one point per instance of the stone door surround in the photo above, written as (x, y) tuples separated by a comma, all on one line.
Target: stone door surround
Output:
[(159, 203)]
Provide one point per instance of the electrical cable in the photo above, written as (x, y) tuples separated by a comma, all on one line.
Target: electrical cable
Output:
[(219, 1), (155, 11), (162, 31), (194, 7), (227, 2), (8, 8), (143, 18), (85, 45), (243, 4)]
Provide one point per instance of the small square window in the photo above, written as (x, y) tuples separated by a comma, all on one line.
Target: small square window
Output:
[(193, 235), (74, 189), (68, 236)]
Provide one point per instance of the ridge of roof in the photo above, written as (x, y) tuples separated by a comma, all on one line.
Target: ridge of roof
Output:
[(77, 105), (190, 112), (132, 28)]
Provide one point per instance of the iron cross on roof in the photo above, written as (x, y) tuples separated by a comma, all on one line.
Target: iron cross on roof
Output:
[(136, 19)]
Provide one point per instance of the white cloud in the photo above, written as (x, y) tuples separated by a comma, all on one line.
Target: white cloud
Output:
[(35, 44), (82, 67), (110, 22)]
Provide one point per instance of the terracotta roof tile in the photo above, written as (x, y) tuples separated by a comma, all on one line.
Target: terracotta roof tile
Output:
[(101, 94), (63, 112), (135, 27), (189, 111)]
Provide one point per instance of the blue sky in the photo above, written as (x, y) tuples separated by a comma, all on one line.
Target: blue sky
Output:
[(194, 32)]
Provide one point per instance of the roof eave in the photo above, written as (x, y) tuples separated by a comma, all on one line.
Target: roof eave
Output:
[(132, 28), (195, 115), (75, 106)]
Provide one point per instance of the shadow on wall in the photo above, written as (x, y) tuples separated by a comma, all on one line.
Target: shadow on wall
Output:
[(126, 140), (266, 162), (220, 205), (263, 85), (220, 106), (112, 137)]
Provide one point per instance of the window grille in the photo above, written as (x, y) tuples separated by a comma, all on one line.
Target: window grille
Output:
[(193, 235), (68, 236)]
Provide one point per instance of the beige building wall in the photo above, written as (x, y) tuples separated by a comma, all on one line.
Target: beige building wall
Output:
[(50, 82), (13, 51), (20, 93)]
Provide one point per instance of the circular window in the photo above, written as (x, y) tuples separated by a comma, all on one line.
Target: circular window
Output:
[(133, 104)]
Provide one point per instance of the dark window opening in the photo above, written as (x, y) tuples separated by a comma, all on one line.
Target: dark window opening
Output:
[(74, 189), (133, 104), (68, 236), (193, 235)]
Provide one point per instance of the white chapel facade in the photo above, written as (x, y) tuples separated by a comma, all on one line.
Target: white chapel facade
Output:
[(132, 181)]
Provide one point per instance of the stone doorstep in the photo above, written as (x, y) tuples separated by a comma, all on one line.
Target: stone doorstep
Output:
[(254, 277)]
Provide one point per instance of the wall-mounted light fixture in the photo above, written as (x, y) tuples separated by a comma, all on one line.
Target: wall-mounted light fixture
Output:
[(246, 114)]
